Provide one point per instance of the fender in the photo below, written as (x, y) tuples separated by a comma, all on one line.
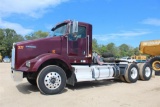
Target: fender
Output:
[(36, 62)]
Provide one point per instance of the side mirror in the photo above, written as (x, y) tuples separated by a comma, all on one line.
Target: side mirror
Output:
[(75, 27), (69, 27)]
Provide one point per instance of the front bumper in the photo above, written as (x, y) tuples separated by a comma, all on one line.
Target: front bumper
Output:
[(16, 75)]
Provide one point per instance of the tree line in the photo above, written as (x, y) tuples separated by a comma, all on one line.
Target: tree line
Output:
[(118, 51), (9, 36)]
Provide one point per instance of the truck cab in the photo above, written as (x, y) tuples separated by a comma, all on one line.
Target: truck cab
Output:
[(65, 58), (61, 44)]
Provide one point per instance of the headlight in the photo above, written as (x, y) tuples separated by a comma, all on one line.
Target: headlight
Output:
[(28, 64)]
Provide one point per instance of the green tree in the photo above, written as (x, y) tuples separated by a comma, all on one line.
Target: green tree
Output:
[(1, 39), (95, 46), (36, 35), (126, 50), (123, 49), (7, 38), (130, 51), (120, 51), (111, 48), (101, 49), (136, 51)]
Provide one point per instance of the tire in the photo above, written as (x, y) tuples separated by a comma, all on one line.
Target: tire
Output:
[(145, 71), (109, 59), (132, 73), (107, 54), (140, 67), (51, 80), (155, 63), (32, 81)]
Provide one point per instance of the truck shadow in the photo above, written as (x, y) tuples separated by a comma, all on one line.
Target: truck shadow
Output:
[(93, 84), (27, 88)]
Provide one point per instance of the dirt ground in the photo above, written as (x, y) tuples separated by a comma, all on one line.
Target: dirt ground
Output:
[(108, 93)]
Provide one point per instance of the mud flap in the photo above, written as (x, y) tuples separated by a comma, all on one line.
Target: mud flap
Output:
[(72, 79)]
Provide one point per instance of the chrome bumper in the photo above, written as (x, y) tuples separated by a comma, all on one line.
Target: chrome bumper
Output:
[(16, 75)]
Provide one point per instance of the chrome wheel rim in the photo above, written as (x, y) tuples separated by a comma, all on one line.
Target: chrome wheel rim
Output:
[(147, 71), (52, 80), (134, 73)]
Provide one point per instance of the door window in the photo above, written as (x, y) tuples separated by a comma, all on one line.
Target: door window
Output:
[(81, 34)]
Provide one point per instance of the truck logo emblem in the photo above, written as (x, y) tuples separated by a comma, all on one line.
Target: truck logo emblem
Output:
[(29, 46), (20, 47), (53, 51)]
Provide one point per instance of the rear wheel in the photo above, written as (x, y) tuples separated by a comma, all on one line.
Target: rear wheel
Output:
[(51, 80), (155, 63), (145, 71), (132, 73)]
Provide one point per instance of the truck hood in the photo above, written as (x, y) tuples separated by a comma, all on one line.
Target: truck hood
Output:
[(30, 49)]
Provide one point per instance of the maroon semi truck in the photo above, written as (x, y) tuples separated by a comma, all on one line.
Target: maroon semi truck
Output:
[(66, 58)]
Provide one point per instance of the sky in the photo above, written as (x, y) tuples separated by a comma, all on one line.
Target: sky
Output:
[(117, 21)]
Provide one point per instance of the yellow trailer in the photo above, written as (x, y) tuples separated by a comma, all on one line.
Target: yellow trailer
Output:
[(139, 57), (152, 48)]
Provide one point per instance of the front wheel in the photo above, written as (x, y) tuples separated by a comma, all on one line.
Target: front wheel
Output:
[(132, 73), (51, 80)]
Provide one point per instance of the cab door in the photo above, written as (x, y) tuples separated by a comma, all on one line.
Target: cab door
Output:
[(77, 45)]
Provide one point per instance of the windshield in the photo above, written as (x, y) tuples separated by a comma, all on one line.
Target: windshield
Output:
[(59, 30)]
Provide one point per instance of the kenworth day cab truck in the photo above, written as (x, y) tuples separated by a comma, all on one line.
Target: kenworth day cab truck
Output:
[(66, 58)]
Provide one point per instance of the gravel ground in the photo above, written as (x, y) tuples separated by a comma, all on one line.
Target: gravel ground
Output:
[(108, 93)]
